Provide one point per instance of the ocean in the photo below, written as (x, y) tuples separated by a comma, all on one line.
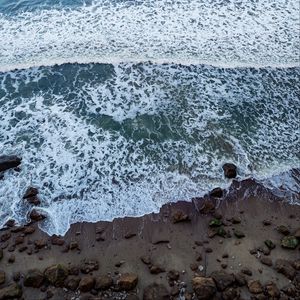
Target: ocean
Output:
[(118, 107)]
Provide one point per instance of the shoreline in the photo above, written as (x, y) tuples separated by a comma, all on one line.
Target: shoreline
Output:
[(207, 237)]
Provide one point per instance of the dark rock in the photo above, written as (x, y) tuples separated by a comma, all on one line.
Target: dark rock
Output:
[(207, 207), (231, 294), (36, 216), (19, 240), (9, 162), (194, 267), (222, 279), (86, 283), (156, 269), (29, 230), (283, 230), (56, 274), (240, 279), (74, 270), (267, 222), (71, 283), (56, 240), (1, 254), (10, 223), (246, 271), (34, 200), (174, 291), (5, 236), (30, 192), (266, 261), (127, 281), (239, 234), (271, 290), (180, 216), (73, 245), (285, 267), (236, 220), (204, 287), (146, 259), (290, 290), (41, 243), (11, 292), (208, 250), (11, 259), (156, 291), (132, 297), (129, 235), (103, 282), (270, 244), (289, 242), (216, 193), (88, 266), (173, 275), (2, 277), (34, 278), (255, 287), (229, 170)]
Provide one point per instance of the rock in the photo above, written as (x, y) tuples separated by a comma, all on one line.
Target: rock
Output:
[(236, 220), (132, 297), (289, 242), (204, 287), (285, 267), (267, 222), (174, 291), (29, 230), (180, 216), (240, 279), (290, 290), (9, 162), (2, 277), (283, 230), (231, 294), (266, 261), (34, 278), (1, 254), (194, 267), (16, 276), (127, 281), (296, 264), (10, 292), (216, 193), (103, 282), (255, 287), (146, 259), (239, 234), (246, 271), (156, 291), (73, 270), (10, 223), (129, 235), (215, 222), (71, 283), (207, 207), (297, 233), (173, 275), (41, 243), (271, 290), (270, 244), (19, 240), (73, 245), (56, 240), (36, 216), (156, 269), (229, 170), (11, 259), (222, 279), (5, 237), (56, 274), (88, 266), (34, 200), (86, 283), (30, 192)]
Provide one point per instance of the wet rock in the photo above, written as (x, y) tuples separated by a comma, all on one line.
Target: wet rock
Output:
[(5, 236), (180, 216), (29, 230), (88, 266), (222, 279), (194, 267), (30, 192), (156, 291), (2, 277), (239, 234), (255, 287), (266, 261), (290, 290), (56, 274), (103, 282), (56, 240), (216, 193), (283, 230), (270, 244), (9, 162), (271, 290), (204, 287), (231, 294), (10, 223), (174, 291), (207, 207), (36, 216), (34, 200), (156, 269), (285, 267), (289, 242), (132, 297), (86, 283), (74, 270), (41, 243), (71, 283), (127, 281), (11, 292), (34, 278), (229, 170)]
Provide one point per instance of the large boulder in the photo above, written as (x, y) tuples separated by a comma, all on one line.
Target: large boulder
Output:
[(156, 291), (9, 162), (34, 278), (56, 274), (204, 287), (229, 170), (222, 279), (127, 281), (10, 292)]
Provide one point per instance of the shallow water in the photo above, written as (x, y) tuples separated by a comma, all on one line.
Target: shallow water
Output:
[(164, 94)]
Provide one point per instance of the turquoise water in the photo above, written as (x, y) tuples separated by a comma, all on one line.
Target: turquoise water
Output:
[(119, 107)]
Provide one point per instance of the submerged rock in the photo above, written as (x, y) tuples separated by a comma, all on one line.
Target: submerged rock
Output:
[(9, 162), (156, 291), (229, 170)]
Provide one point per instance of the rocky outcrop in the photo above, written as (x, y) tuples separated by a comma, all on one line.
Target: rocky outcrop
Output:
[(9, 162), (156, 291)]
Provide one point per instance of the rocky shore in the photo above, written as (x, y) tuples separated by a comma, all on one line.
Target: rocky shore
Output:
[(237, 244)]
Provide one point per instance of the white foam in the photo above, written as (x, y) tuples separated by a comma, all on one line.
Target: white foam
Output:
[(223, 33)]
